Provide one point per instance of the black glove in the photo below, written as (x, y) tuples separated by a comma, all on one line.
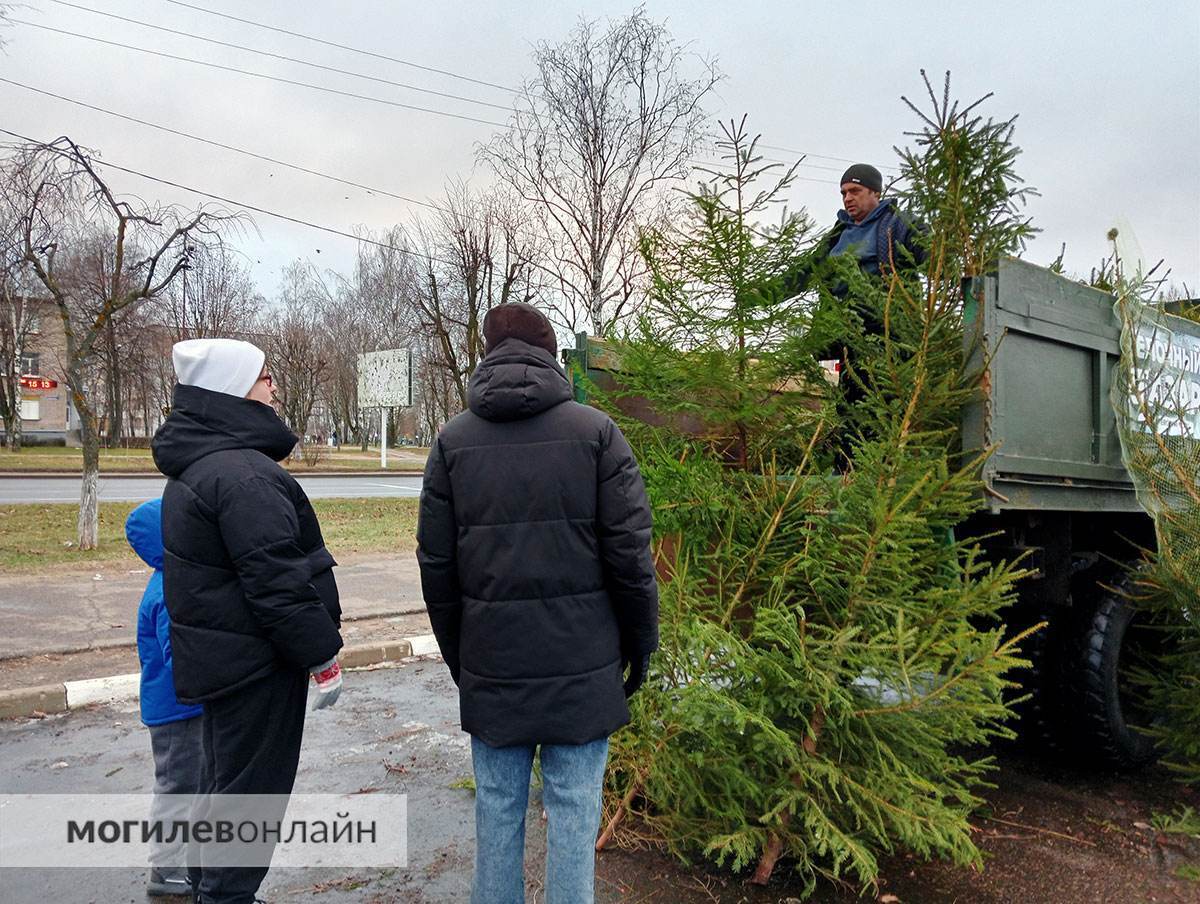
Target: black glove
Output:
[(638, 669)]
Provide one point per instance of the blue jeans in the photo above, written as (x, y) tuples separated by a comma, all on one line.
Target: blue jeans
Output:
[(572, 780)]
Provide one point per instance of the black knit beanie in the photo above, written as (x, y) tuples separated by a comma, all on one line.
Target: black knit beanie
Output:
[(865, 175), (517, 320)]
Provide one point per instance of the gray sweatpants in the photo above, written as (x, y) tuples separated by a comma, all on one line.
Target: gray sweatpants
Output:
[(176, 748)]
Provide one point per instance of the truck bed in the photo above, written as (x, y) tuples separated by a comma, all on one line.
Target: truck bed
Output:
[(1048, 348)]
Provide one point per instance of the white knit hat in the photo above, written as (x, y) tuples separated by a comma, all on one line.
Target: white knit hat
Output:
[(221, 365)]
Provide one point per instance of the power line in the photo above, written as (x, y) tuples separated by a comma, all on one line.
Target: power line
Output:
[(369, 53), (271, 78), (349, 73), (262, 210), (708, 164), (713, 165), (371, 189), (279, 56), (228, 147), (775, 147), (446, 72), (250, 207)]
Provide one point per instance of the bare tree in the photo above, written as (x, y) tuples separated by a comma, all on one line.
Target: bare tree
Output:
[(371, 310), (62, 199), (296, 350), (473, 255), (19, 308), (213, 297), (596, 137), (436, 394), (18, 317)]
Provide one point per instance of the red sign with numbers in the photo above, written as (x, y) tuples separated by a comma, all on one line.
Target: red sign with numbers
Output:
[(29, 382)]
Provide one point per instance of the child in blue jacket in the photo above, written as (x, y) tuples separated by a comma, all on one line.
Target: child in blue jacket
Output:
[(174, 727)]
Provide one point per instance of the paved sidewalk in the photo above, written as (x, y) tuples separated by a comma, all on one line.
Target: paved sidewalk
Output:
[(394, 730), (69, 612)]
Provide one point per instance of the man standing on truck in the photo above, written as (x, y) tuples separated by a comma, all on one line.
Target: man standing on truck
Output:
[(882, 240), (870, 228)]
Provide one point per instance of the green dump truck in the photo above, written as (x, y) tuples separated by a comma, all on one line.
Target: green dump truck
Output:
[(1057, 494)]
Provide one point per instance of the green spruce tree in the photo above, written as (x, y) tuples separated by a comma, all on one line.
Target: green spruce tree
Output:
[(832, 656)]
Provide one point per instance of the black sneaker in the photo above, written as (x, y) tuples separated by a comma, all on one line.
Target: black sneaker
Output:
[(168, 882)]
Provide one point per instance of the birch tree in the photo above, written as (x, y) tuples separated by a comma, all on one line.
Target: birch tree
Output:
[(597, 137), (18, 316)]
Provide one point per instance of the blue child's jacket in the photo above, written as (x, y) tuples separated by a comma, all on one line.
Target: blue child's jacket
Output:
[(143, 529)]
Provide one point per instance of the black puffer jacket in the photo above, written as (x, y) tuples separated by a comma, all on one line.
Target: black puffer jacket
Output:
[(247, 580), (534, 547)]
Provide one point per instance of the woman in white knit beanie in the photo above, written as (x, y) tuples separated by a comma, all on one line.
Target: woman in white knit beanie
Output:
[(248, 584)]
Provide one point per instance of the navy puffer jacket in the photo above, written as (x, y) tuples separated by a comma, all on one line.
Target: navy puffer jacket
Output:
[(534, 548)]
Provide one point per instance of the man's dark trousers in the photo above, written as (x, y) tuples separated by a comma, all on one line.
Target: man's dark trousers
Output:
[(251, 745)]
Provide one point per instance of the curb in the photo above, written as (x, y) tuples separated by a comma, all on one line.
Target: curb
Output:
[(47, 699)]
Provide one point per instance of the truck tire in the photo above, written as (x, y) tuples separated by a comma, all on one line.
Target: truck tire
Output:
[(1039, 718), (1109, 642)]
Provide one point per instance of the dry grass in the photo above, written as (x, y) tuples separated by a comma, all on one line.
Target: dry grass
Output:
[(39, 537)]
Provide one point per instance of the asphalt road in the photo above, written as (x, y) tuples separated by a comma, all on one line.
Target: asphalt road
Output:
[(138, 489)]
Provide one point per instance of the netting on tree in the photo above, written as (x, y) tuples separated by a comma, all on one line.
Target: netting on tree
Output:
[(1156, 396)]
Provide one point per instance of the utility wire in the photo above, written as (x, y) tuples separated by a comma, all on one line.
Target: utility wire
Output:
[(775, 147), (279, 56), (446, 72), (244, 206), (347, 72), (369, 53), (228, 147), (250, 207), (706, 164), (372, 78), (272, 78), (370, 189)]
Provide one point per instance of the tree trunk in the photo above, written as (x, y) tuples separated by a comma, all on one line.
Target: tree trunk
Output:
[(89, 503), (10, 394), (596, 304), (112, 411), (146, 410), (12, 431)]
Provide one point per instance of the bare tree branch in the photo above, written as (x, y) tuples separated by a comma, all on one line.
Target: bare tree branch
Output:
[(597, 138)]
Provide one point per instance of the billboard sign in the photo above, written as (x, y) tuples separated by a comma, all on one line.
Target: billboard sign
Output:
[(385, 379)]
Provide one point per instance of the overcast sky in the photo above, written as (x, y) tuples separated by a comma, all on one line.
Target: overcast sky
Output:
[(1108, 95)]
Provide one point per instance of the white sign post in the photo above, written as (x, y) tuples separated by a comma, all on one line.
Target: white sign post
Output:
[(385, 382), (383, 413)]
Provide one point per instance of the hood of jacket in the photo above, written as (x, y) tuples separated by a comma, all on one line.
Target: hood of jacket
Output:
[(515, 381), (143, 530), (202, 422)]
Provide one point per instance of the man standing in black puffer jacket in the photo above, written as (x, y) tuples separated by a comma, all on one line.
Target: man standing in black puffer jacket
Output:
[(534, 548), (247, 582)]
